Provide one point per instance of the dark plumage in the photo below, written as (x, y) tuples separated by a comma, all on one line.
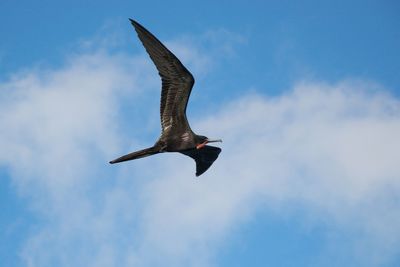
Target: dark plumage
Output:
[(177, 83)]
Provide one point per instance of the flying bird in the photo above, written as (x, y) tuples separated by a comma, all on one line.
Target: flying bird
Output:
[(176, 134)]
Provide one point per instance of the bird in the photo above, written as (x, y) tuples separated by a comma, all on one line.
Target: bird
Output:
[(176, 85)]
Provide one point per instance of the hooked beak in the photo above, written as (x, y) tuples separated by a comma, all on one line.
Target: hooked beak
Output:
[(214, 141), (206, 142)]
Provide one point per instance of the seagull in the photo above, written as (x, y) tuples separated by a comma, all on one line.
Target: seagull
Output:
[(176, 134)]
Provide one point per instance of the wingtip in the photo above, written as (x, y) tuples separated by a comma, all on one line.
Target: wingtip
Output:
[(134, 22), (198, 174)]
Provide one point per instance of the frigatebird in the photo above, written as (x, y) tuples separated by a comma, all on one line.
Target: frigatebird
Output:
[(177, 83)]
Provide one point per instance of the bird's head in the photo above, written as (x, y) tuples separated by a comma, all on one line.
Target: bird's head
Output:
[(203, 140)]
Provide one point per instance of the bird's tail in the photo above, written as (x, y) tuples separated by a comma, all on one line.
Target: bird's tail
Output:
[(137, 154)]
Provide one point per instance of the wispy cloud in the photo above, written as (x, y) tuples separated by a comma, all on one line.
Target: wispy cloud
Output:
[(203, 53), (328, 149), (60, 130)]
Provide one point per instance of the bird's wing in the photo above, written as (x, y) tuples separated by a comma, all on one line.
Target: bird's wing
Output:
[(177, 81), (204, 157)]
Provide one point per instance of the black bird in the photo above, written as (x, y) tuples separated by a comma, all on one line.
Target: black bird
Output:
[(177, 83)]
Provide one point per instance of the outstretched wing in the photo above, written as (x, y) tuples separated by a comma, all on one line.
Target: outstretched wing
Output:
[(204, 157), (177, 81)]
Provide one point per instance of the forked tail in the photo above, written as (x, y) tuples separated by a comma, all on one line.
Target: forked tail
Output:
[(137, 154)]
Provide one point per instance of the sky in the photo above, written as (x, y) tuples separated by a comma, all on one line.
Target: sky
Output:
[(305, 95)]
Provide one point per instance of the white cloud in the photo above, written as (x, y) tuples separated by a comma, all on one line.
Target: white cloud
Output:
[(58, 133), (328, 149), (331, 149)]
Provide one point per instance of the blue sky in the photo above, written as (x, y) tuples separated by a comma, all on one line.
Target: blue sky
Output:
[(305, 97)]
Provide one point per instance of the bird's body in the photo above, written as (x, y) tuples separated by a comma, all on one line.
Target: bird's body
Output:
[(177, 83)]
